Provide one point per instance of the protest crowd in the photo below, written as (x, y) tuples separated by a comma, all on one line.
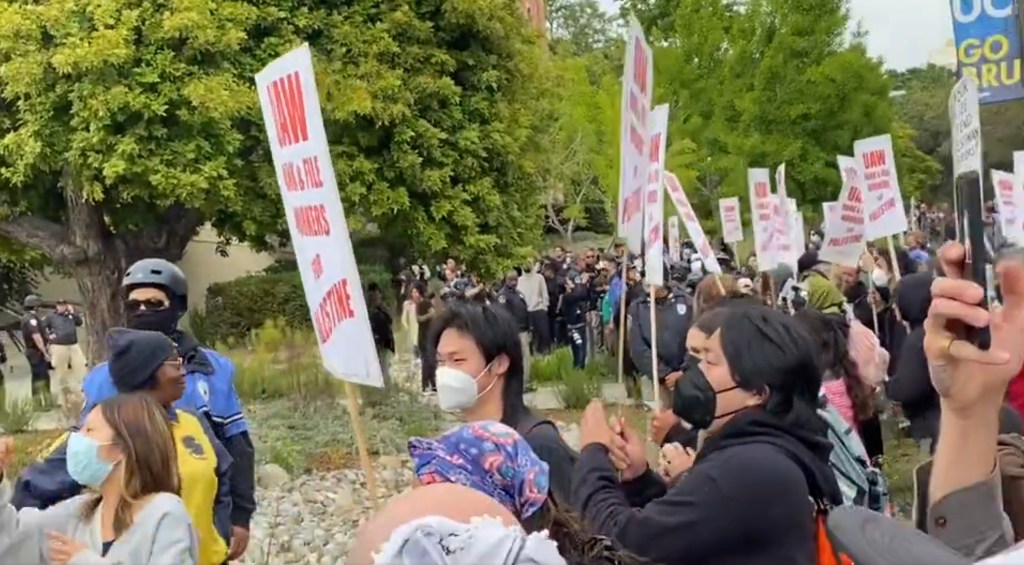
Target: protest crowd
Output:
[(766, 378)]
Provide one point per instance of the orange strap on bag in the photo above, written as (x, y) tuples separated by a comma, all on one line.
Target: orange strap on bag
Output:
[(827, 554)]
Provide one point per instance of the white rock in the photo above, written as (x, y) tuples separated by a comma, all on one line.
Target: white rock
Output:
[(272, 476)]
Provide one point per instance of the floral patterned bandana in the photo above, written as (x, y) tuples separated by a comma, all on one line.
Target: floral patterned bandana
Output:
[(488, 457)]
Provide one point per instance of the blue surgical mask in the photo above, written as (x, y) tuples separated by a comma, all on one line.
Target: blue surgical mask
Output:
[(83, 461)]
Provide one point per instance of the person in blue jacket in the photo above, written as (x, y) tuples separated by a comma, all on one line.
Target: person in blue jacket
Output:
[(156, 297), (149, 363)]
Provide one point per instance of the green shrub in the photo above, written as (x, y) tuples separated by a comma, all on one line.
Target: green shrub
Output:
[(578, 389), (16, 415), (278, 361), (235, 308), (552, 368), (316, 435)]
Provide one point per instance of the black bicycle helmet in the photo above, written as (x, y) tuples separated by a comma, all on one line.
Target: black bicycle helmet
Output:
[(158, 273), (32, 301)]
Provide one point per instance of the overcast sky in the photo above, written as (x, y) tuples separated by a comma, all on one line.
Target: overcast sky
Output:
[(903, 32)]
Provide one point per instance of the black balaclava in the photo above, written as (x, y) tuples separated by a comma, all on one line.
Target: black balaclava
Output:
[(164, 321)]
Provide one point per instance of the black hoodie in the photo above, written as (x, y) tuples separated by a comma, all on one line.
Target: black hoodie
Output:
[(746, 501), (911, 383)]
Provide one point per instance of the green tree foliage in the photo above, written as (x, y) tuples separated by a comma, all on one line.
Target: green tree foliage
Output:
[(760, 82), (579, 27), (125, 126), (20, 271), (578, 155), (924, 106)]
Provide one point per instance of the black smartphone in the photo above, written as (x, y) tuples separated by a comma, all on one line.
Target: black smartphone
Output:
[(978, 260)]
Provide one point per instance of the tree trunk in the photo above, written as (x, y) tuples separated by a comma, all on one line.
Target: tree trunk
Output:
[(97, 256), (99, 282)]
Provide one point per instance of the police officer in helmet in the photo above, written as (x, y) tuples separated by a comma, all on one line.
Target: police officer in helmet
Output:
[(155, 294), (36, 348)]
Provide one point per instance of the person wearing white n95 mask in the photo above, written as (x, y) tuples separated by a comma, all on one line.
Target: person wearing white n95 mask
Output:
[(880, 278), (457, 389), (480, 377)]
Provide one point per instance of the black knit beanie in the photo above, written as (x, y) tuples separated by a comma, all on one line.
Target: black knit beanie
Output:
[(135, 356)]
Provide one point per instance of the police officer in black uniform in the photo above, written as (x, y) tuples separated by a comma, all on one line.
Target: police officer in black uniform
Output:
[(673, 315), (514, 302), (36, 348)]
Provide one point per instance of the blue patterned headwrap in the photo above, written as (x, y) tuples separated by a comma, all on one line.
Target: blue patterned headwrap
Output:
[(488, 457)]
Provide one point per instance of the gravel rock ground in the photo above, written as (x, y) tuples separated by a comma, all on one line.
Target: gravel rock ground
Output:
[(311, 519)]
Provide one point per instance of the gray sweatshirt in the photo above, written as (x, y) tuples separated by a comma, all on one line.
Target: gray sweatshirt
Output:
[(162, 533)]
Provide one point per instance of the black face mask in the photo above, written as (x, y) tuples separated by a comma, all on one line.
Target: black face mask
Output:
[(694, 399), (164, 321)]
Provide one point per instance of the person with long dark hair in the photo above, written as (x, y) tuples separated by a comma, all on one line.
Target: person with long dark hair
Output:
[(759, 482), (480, 377), (842, 382)]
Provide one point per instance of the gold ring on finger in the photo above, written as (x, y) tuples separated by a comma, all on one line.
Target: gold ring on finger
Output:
[(949, 345)]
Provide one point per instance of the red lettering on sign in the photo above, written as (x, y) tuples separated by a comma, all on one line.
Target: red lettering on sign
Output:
[(334, 309), (654, 235), (632, 206), (317, 267), (845, 240), (761, 189), (640, 66), (636, 139), (874, 158), (656, 147), (288, 109), (311, 221), (299, 177), (855, 195), (889, 204)]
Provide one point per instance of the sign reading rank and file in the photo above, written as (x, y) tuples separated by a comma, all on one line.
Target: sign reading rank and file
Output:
[(316, 218)]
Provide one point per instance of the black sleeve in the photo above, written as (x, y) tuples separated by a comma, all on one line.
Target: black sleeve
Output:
[(46, 482), (640, 347), (644, 489), (243, 478), (549, 446), (911, 382), (715, 505)]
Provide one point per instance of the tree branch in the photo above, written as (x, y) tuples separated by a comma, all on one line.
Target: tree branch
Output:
[(42, 235)]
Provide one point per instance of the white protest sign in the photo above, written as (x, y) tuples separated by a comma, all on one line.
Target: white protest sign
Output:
[(637, 86), (762, 212), (796, 229), (965, 123), (781, 238), (844, 239), (883, 202), (830, 210), (654, 200), (675, 252), (1018, 187), (1004, 187), (316, 218), (693, 227), (732, 220)]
